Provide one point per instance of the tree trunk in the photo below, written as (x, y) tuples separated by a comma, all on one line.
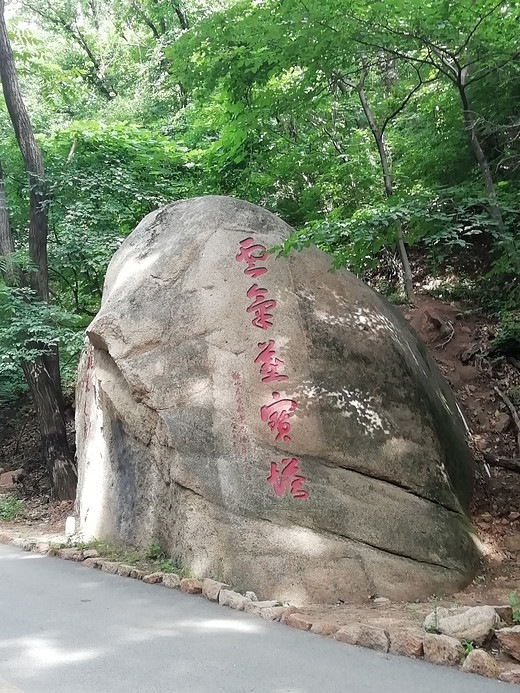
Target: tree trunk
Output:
[(43, 374), (482, 161), (6, 237), (407, 270), (48, 402), (389, 190), (183, 20), (32, 158)]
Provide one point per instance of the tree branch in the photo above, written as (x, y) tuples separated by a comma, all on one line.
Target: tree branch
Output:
[(512, 411), (74, 32), (510, 463), (183, 21), (472, 32), (146, 20), (489, 70), (392, 115)]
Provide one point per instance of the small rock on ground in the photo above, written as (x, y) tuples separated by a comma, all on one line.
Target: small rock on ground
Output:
[(324, 628), (153, 578), (137, 574), (211, 589), (298, 621), (289, 610), (256, 607), (125, 570), (480, 662), (8, 480), (509, 639), (406, 643), (373, 638), (441, 649), (90, 553), (474, 624), (365, 636), (272, 613), (42, 547), (348, 634), (110, 567), (70, 554), (232, 599), (171, 580), (505, 613), (191, 586), (510, 676)]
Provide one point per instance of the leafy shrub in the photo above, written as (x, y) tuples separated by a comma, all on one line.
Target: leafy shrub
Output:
[(515, 606), (507, 341), (10, 507), (154, 551), (30, 328), (168, 566)]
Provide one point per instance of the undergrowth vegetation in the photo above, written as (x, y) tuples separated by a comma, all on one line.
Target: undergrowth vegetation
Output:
[(152, 558), (11, 507)]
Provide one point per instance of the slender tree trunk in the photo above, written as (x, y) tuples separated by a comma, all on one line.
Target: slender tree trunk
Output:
[(482, 161), (43, 374), (389, 190), (6, 237), (183, 20), (146, 20), (407, 270)]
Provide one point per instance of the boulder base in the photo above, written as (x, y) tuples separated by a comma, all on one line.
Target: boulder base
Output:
[(270, 423)]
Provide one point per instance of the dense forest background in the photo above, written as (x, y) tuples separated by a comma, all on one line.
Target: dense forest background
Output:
[(388, 134)]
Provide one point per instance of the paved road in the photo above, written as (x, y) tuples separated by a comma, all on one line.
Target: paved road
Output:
[(65, 628)]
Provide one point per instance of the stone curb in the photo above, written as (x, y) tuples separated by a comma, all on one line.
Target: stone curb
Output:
[(405, 641)]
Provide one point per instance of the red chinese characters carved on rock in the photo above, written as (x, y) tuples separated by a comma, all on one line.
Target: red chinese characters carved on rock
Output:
[(260, 306), (276, 415), (269, 363), (247, 248), (287, 478)]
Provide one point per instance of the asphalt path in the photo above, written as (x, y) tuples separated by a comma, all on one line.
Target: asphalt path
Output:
[(66, 628)]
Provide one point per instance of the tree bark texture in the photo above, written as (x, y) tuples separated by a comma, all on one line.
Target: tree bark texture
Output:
[(389, 190), (33, 161), (43, 374), (48, 402)]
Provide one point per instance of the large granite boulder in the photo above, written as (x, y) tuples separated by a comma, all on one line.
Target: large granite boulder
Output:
[(270, 423)]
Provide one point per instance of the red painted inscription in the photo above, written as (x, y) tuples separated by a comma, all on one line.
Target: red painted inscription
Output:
[(251, 253), (287, 478), (269, 363), (276, 415), (260, 306)]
